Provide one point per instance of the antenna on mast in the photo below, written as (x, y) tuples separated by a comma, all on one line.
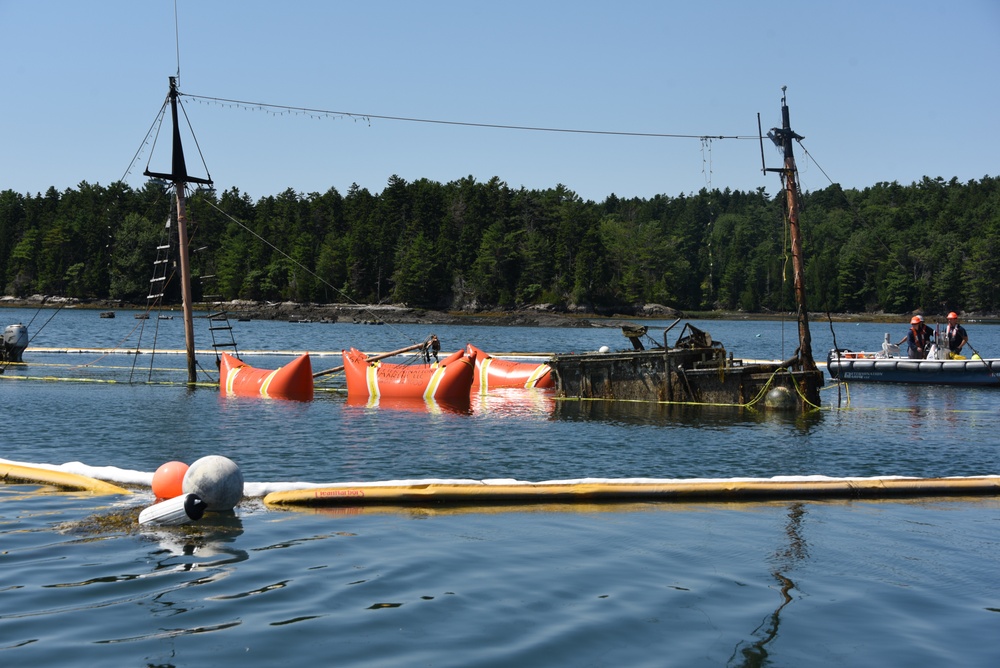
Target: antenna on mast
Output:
[(177, 41)]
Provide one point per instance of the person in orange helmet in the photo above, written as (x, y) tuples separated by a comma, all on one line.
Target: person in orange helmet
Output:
[(955, 335), (918, 338)]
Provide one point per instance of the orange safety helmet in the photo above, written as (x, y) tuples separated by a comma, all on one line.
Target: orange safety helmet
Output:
[(952, 316), (915, 320)]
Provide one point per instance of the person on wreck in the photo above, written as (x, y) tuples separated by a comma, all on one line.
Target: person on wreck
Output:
[(918, 338), (955, 336)]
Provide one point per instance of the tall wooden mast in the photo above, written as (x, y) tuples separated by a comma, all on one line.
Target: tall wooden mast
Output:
[(180, 178), (782, 138)]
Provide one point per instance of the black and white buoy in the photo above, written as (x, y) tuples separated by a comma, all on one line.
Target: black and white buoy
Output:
[(178, 510)]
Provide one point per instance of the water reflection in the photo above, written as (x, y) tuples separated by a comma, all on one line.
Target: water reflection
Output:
[(754, 654), (430, 406), (180, 557), (506, 402), (641, 413), (515, 402), (210, 537), (209, 542)]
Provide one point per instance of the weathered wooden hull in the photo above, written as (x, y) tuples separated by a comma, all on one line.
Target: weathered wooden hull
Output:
[(699, 376)]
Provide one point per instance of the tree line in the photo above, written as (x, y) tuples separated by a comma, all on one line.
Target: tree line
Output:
[(931, 245)]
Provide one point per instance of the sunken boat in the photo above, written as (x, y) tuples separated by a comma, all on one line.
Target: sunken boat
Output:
[(696, 369)]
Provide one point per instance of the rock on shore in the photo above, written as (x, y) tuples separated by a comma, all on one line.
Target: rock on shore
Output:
[(535, 316)]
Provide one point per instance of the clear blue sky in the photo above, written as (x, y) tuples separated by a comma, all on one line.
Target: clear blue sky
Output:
[(881, 91)]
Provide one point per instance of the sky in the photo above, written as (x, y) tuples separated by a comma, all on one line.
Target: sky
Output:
[(881, 91)]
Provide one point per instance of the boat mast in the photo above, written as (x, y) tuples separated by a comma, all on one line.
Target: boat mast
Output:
[(180, 179), (782, 138)]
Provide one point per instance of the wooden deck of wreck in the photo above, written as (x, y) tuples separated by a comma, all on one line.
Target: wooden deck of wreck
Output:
[(696, 376)]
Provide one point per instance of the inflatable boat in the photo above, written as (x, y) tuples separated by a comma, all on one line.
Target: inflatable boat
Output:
[(888, 366)]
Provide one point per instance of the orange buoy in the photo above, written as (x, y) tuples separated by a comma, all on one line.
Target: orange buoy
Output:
[(169, 479)]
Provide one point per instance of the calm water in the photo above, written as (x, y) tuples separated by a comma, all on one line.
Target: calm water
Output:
[(782, 584)]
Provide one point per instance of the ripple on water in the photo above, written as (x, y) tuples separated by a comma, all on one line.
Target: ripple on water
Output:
[(636, 584)]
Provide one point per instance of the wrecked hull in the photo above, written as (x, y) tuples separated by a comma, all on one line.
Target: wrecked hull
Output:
[(692, 376)]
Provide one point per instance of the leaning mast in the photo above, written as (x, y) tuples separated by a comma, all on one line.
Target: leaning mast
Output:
[(782, 138), (180, 178)]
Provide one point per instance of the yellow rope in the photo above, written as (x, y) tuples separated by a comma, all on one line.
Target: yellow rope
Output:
[(798, 390)]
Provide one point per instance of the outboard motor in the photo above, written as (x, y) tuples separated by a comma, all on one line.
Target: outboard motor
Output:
[(889, 349), (15, 340)]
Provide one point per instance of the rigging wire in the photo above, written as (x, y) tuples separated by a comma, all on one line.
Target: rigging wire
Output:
[(853, 207), (283, 109), (154, 129), (195, 138), (706, 160), (296, 262), (153, 135)]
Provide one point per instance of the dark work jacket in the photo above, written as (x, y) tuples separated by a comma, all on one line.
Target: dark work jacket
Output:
[(958, 336)]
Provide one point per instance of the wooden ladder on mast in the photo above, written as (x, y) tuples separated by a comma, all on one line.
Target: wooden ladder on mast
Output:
[(219, 325)]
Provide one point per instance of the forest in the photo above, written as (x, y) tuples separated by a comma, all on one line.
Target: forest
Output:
[(933, 245)]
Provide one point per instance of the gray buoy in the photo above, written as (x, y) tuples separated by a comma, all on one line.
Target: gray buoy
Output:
[(780, 398), (216, 480)]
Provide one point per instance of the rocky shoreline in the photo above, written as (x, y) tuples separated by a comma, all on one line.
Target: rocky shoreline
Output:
[(538, 316), (544, 315)]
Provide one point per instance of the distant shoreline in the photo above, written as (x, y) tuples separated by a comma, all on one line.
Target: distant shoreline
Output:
[(535, 316)]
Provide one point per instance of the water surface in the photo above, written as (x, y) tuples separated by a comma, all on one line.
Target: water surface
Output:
[(791, 583)]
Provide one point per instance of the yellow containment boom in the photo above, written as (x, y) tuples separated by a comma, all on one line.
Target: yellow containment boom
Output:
[(13, 473), (420, 493)]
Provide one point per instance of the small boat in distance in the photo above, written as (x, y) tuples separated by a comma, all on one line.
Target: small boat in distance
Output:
[(888, 366), (292, 381)]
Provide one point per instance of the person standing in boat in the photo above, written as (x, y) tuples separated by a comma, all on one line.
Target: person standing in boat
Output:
[(955, 336), (918, 338)]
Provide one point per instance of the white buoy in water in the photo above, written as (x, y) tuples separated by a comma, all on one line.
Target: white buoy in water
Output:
[(178, 510), (603, 349), (217, 480)]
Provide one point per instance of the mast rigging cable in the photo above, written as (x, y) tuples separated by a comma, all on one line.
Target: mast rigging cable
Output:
[(283, 109)]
